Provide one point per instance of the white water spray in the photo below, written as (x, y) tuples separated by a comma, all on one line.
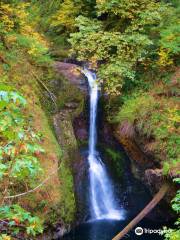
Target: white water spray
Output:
[(103, 204)]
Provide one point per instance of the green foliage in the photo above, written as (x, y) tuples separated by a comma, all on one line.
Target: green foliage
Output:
[(170, 39), (37, 52), (57, 18), (67, 198), (5, 237), (120, 52), (170, 32), (19, 34), (176, 200), (124, 36), (19, 164), (166, 168), (154, 118), (19, 143), (135, 107), (17, 219), (24, 58), (173, 234), (117, 160), (65, 16)]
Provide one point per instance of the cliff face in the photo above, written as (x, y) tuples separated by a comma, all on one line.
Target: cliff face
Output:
[(23, 77), (55, 201), (147, 125), (144, 164), (70, 92), (52, 103)]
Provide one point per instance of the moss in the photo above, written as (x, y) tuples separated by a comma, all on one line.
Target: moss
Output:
[(134, 107), (82, 143), (67, 204), (117, 159), (155, 117), (22, 73), (57, 193), (70, 154), (69, 94), (65, 94), (60, 53)]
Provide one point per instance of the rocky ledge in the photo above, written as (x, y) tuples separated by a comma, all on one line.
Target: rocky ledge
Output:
[(144, 164), (72, 73)]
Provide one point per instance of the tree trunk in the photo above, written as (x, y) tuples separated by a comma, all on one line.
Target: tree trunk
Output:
[(156, 199)]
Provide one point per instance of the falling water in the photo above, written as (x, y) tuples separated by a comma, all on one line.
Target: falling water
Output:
[(103, 205)]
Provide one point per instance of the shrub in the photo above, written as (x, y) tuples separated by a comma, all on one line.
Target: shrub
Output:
[(19, 164), (17, 220)]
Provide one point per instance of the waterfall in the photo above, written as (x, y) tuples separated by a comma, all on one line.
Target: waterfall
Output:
[(103, 204)]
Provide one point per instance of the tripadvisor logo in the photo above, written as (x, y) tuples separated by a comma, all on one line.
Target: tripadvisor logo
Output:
[(139, 231)]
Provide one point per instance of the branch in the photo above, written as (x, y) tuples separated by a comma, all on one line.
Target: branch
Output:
[(34, 189), (156, 199), (14, 225), (52, 96)]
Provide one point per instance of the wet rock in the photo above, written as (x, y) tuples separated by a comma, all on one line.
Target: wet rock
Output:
[(70, 126), (72, 72), (80, 128), (125, 135), (106, 134), (81, 134), (154, 175), (82, 188), (71, 105), (61, 230), (146, 167), (154, 178)]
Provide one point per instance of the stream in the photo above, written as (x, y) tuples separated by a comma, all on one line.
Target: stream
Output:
[(110, 210)]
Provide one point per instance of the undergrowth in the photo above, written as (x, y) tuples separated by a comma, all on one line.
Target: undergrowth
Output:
[(155, 117)]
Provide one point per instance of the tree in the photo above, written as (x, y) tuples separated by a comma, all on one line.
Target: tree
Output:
[(122, 36)]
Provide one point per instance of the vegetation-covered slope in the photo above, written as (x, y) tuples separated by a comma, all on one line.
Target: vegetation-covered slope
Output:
[(155, 115), (30, 156)]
